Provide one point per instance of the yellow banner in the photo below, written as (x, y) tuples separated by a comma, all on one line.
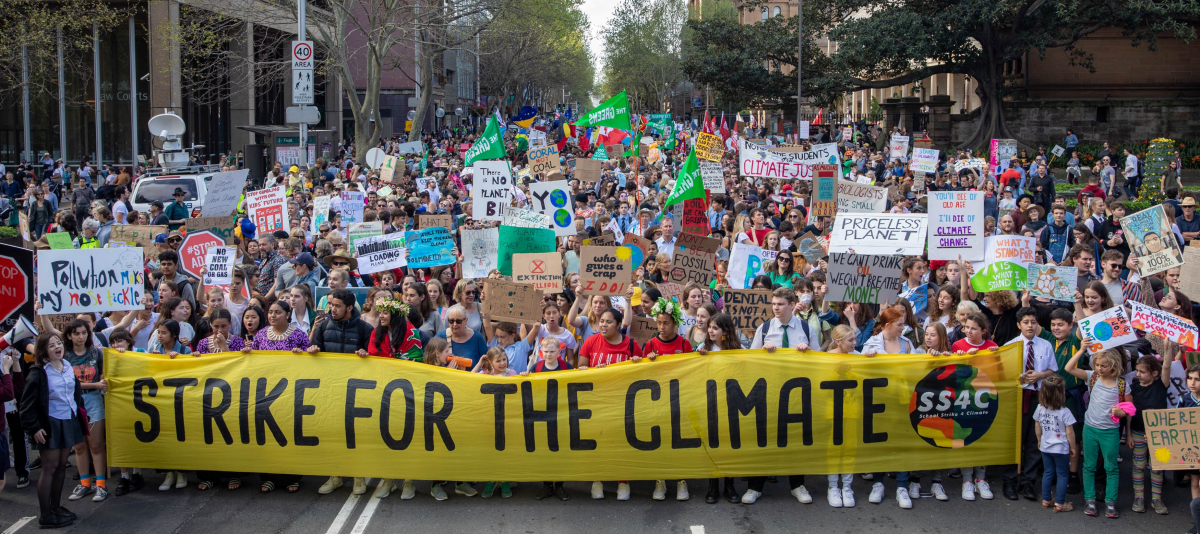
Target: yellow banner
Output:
[(730, 413)]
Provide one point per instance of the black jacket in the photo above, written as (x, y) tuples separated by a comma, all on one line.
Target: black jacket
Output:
[(343, 336), (35, 403)]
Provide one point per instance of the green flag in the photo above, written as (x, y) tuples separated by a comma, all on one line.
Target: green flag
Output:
[(661, 122), (488, 146), (613, 113), (600, 153), (689, 184), (424, 163)]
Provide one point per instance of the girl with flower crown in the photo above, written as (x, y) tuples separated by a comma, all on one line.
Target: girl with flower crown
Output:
[(668, 315), (395, 337)]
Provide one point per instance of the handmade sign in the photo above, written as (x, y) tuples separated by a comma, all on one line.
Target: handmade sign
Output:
[(638, 248), (924, 160), (603, 271), (745, 263), (917, 296), (606, 239), (59, 240), (1002, 152), (694, 220), (1166, 324), (432, 220), (554, 200), (588, 170), (642, 329), (879, 233), (709, 147), (694, 260), (224, 193), (759, 161), (222, 227), (898, 147), (860, 198), (543, 270), (480, 252), (510, 301), (193, 251), (1171, 436), (825, 190), (140, 234), (387, 169), (320, 212), (353, 204), (430, 247), (956, 225), (1189, 279), (513, 240), (544, 160), (218, 266), (670, 290), (748, 308), (1151, 239), (974, 163), (493, 189), (525, 219), (1052, 281), (1004, 265), (381, 253), (1057, 151), (713, 176), (812, 247), (863, 278), (1107, 329), (356, 231), (90, 280)]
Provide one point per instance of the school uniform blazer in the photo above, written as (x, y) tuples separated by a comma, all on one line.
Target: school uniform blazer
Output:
[(35, 403)]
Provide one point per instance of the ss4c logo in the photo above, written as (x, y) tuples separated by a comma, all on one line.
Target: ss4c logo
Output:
[(953, 406)]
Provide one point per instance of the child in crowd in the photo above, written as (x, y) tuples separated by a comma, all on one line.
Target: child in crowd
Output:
[(1101, 434), (1149, 393), (842, 340), (975, 331), (1056, 440)]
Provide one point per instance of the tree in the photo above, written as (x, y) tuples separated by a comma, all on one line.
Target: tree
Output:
[(213, 59), (643, 50)]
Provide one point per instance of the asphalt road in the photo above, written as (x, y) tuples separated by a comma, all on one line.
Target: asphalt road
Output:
[(244, 510)]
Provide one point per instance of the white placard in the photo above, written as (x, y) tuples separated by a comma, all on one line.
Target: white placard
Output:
[(493, 189), (860, 198), (898, 147), (714, 177), (1107, 329), (353, 203), (320, 212), (480, 252), (90, 280), (224, 193), (381, 252), (525, 219), (268, 209), (879, 233), (746, 262), (218, 264), (755, 160), (924, 160), (554, 200), (956, 225), (1057, 151)]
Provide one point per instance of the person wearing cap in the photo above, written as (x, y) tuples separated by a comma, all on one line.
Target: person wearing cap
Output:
[(286, 276), (305, 268), (177, 213), (1189, 223)]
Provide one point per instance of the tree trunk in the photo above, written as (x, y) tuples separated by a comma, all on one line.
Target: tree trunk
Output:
[(426, 93), (989, 80)]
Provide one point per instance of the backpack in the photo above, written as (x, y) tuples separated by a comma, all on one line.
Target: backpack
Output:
[(1121, 391), (803, 326), (1139, 167)]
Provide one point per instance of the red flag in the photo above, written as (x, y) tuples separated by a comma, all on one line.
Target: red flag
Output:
[(704, 125), (724, 128), (817, 119)]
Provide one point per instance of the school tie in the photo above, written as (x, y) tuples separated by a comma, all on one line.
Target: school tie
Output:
[(1029, 359), (785, 337)]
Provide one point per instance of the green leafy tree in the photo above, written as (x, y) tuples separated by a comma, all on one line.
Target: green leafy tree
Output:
[(643, 51), (537, 44)]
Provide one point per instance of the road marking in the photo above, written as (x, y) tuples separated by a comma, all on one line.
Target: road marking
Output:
[(20, 523), (697, 529), (343, 514), (372, 504)]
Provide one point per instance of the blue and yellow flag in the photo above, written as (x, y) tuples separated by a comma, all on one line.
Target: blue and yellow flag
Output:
[(526, 117)]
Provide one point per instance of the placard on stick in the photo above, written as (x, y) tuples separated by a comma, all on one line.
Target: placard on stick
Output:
[(519, 303), (603, 272), (542, 271)]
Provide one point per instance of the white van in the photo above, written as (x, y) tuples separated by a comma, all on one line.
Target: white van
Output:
[(153, 187)]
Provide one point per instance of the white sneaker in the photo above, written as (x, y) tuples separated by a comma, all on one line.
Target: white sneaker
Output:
[(168, 483), (384, 489), (408, 491), (984, 489), (847, 497), (623, 491), (751, 496), (438, 492), (801, 494), (938, 492), (968, 493), (868, 476), (101, 494), (876, 496), (903, 499), (660, 490), (330, 485), (597, 490), (464, 488), (914, 490), (360, 486), (681, 491), (835, 497), (180, 480), (79, 492)]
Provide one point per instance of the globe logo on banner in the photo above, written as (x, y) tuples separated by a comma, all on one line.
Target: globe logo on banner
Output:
[(1103, 332), (953, 406), (562, 216)]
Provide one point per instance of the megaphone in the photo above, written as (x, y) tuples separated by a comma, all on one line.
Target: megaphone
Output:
[(22, 331)]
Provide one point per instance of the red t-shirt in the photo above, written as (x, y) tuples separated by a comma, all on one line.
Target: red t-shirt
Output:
[(679, 345), (1010, 175), (759, 237), (598, 350), (963, 345)]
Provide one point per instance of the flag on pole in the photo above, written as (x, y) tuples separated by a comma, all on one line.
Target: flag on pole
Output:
[(614, 113), (817, 120), (488, 146), (689, 184), (724, 128)]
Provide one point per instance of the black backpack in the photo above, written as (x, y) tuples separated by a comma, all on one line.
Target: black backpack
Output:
[(803, 326)]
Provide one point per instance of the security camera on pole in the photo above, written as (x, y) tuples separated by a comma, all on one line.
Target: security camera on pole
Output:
[(302, 85)]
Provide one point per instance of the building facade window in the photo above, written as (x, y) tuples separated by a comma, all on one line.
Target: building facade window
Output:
[(775, 12)]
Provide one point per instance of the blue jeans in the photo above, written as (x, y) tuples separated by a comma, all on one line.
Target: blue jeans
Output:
[(1057, 466)]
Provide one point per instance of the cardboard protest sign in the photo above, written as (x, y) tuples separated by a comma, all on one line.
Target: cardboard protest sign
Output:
[(1172, 437), (554, 200), (605, 239), (588, 170), (1005, 264), (1189, 278), (956, 225), (825, 190), (525, 219), (544, 160), (381, 253), (90, 280), (1166, 324), (23, 223), (670, 290), (221, 227), (60, 240), (493, 189), (603, 271), (863, 278), (1107, 329), (431, 220), (218, 264), (1151, 239), (430, 247), (615, 151), (924, 160), (510, 301), (642, 329), (749, 308), (860, 198), (513, 240), (224, 193), (709, 147), (713, 176), (543, 270), (353, 205), (137, 233), (812, 247), (762, 162), (1052, 281), (387, 169), (638, 248), (694, 260), (898, 147), (694, 220), (879, 233)]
